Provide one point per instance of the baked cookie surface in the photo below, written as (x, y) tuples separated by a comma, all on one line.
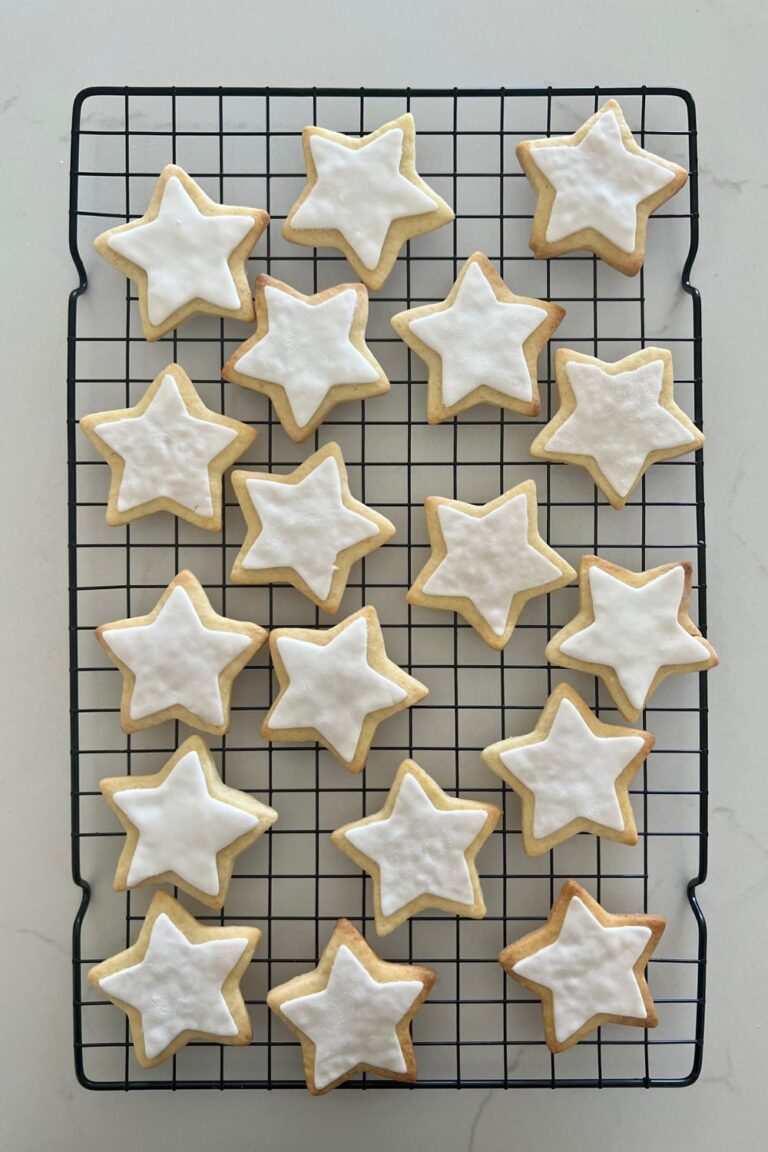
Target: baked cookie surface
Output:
[(186, 254), (616, 420), (596, 189), (308, 353), (167, 453), (364, 197), (572, 774), (180, 660), (180, 981), (632, 630), (305, 528), (587, 966), (420, 849), (353, 1012), (184, 825), (487, 561), (480, 344)]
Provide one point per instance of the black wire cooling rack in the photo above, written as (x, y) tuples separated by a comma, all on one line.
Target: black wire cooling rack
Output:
[(479, 1029)]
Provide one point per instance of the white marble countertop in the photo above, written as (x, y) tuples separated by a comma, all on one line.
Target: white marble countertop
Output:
[(53, 50)]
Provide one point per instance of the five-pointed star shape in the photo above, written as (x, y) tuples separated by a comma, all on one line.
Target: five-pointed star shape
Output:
[(179, 982), (336, 686), (184, 825), (488, 562), (178, 662), (167, 453), (632, 630), (364, 197), (186, 254), (480, 344), (420, 849), (617, 419), (308, 353), (306, 528), (587, 966), (352, 1013), (572, 774), (596, 190)]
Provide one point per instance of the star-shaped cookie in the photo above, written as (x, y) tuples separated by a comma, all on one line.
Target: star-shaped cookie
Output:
[(353, 1012), (420, 849), (308, 353), (572, 774), (305, 528), (183, 825), (587, 966), (179, 661), (364, 197), (186, 254), (616, 420), (481, 343), (596, 189), (487, 562), (179, 982), (336, 686), (632, 630), (167, 453)]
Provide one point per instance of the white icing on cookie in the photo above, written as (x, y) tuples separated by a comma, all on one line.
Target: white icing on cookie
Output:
[(618, 420), (332, 687), (176, 660), (353, 1020), (166, 452), (480, 340), (599, 183), (177, 986), (307, 349), (489, 559), (589, 970), (181, 827), (420, 849), (572, 773), (305, 526), (636, 631), (184, 253), (360, 192)]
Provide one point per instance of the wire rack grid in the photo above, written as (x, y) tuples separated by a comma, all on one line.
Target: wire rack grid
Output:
[(478, 1028)]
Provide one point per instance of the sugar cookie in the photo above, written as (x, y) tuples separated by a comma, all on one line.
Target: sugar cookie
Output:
[(353, 1012), (587, 966), (186, 254), (481, 344), (305, 528), (364, 197)]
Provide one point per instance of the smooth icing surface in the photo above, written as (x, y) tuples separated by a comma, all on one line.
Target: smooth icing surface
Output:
[(618, 420), (305, 526), (176, 660), (184, 253), (166, 451), (599, 184), (489, 559), (360, 192), (420, 849), (332, 687), (177, 986), (181, 826), (480, 340), (636, 630), (353, 1020), (572, 773), (307, 349), (588, 970)]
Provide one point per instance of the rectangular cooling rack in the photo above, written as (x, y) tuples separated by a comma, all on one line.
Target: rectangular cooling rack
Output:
[(478, 1029)]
